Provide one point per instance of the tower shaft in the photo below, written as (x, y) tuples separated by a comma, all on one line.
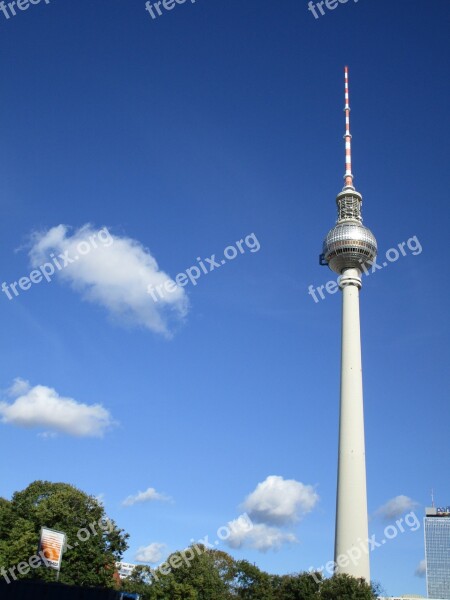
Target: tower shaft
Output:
[(351, 547), (347, 249)]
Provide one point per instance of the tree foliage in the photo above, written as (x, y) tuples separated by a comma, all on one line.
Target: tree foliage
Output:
[(94, 542), (299, 587), (215, 575), (251, 582), (344, 587)]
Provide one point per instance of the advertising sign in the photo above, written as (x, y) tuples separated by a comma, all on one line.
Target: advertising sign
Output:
[(52, 545)]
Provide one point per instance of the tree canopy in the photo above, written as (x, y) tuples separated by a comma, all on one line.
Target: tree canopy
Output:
[(94, 542), (215, 575)]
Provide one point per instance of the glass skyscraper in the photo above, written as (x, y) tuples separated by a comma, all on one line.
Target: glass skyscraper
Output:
[(437, 552)]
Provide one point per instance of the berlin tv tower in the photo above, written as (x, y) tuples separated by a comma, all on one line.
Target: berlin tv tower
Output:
[(347, 249)]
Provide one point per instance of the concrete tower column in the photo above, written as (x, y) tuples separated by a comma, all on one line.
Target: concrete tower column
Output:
[(351, 548), (347, 249)]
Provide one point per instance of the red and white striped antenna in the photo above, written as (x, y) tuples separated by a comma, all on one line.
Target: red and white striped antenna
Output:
[(348, 136)]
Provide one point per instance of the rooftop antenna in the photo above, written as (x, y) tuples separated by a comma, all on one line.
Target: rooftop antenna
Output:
[(432, 497)]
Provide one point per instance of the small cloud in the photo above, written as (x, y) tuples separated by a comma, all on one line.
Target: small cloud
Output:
[(100, 498), (47, 435), (261, 537), (396, 507), (42, 406), (149, 495), (153, 553), (421, 569), (18, 387), (113, 272), (278, 501)]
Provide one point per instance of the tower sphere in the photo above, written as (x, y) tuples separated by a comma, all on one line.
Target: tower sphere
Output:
[(349, 245)]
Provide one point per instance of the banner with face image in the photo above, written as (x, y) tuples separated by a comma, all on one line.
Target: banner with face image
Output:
[(51, 545)]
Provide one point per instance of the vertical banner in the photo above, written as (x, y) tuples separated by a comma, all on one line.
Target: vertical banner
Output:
[(52, 545)]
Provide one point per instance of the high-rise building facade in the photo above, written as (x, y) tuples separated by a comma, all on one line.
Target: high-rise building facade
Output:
[(437, 551)]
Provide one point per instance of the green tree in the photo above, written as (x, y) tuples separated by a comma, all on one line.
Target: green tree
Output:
[(345, 587), (207, 572), (140, 582), (253, 584), (299, 587), (94, 542), (169, 588)]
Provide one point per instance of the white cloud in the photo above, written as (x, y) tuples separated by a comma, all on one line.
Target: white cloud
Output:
[(421, 569), (148, 496), (278, 501), (258, 536), (47, 435), (152, 553), (18, 387), (275, 503), (115, 275), (43, 407), (396, 507)]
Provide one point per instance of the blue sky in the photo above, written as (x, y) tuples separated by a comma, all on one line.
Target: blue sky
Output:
[(182, 135)]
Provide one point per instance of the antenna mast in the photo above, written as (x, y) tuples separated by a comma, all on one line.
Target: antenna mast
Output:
[(348, 137)]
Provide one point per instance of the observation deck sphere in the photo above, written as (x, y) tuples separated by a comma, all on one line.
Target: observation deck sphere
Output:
[(349, 246)]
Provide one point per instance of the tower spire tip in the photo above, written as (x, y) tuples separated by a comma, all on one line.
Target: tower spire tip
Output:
[(348, 177)]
